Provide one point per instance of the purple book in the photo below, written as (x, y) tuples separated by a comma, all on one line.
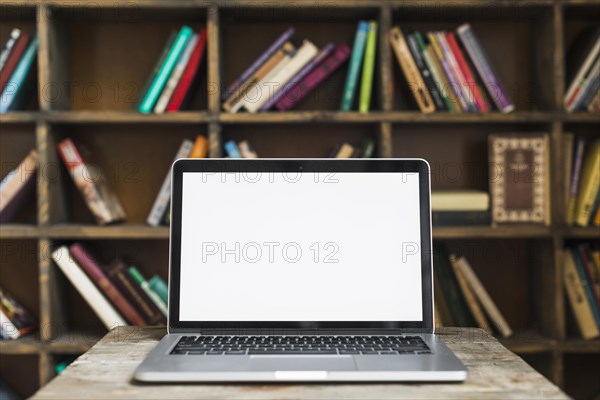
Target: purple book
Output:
[(258, 62), (323, 54), (490, 79), (314, 78)]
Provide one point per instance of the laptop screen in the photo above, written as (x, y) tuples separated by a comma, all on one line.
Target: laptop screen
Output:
[(341, 246)]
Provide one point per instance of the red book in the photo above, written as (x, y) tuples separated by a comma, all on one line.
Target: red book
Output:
[(321, 72), (93, 270), (482, 105), (13, 59), (188, 74)]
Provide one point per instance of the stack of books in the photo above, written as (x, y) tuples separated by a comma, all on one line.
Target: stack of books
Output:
[(582, 181), (15, 321), (172, 80), (17, 186), (117, 292), (17, 70), (160, 213), (239, 150), (583, 68), (283, 75), (460, 297), (581, 269), (460, 208), (346, 150), (449, 72)]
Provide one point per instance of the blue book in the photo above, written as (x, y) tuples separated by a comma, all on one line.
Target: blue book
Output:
[(159, 81), (587, 288), (356, 59), (13, 91), (232, 149)]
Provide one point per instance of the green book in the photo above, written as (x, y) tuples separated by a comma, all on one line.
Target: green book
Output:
[(160, 79), (156, 299), (355, 63), (160, 287), (368, 67), (435, 72)]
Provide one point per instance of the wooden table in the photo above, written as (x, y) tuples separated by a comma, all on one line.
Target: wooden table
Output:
[(105, 372)]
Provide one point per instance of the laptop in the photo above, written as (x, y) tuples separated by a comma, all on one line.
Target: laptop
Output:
[(300, 270)]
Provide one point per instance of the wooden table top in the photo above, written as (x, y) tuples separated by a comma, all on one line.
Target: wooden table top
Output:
[(105, 372)]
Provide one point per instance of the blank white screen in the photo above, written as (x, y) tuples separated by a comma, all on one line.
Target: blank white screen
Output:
[(249, 247)]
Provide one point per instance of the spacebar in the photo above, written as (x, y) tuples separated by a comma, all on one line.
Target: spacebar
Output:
[(284, 352)]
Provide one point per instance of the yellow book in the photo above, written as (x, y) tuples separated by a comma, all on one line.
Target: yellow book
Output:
[(578, 298), (589, 185)]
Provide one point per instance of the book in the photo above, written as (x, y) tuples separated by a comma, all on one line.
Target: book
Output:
[(578, 298), (441, 302), (436, 71), (484, 299), (161, 203), (160, 288), (575, 177), (287, 89), (594, 105), (367, 149), (586, 284), (186, 83), (246, 150), (446, 68), (469, 294), (171, 85), (481, 61), (366, 83), (262, 59), (139, 278), (356, 62), (519, 178), (232, 150), (272, 84), (459, 79), (461, 218), (460, 200), (86, 288), (17, 186), (426, 74), (580, 59), (585, 253), (200, 148), (16, 320), (90, 180), (160, 79), (93, 270), (345, 151), (410, 71), (335, 60), (157, 66), (589, 185), (568, 143), (15, 90), (589, 87), (118, 273), (238, 98), (11, 55)]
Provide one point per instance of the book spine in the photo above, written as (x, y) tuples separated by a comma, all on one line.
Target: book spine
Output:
[(575, 177), (586, 286), (232, 150), (200, 149), (167, 93), (13, 56), (318, 75), (14, 311), (368, 148), (596, 220), (447, 72), (469, 295), (437, 72), (356, 61), (289, 87), (590, 269), (589, 186), (425, 72), (103, 309), (10, 43), (450, 287), (578, 298), (245, 150), (460, 218), (494, 86), (161, 203), (7, 327), (251, 70), (457, 75), (17, 80), (345, 151), (588, 88), (137, 276), (594, 105), (366, 85), (591, 90), (160, 287), (191, 70), (160, 79), (19, 184), (156, 69), (90, 266), (575, 85)]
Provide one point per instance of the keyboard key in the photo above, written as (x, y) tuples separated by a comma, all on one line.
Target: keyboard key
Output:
[(349, 352), (235, 352), (388, 352)]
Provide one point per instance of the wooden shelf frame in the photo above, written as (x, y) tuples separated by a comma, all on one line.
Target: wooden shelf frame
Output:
[(53, 225)]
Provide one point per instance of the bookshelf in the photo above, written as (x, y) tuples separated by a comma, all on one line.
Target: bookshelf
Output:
[(93, 60)]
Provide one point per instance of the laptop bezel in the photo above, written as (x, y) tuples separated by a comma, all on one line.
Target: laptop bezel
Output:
[(288, 166)]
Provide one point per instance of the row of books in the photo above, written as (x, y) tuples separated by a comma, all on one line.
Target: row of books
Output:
[(450, 72), (459, 296), (174, 77), (15, 321), (460, 208), (583, 69), (345, 150), (17, 69), (117, 292), (581, 276), (239, 150), (582, 180)]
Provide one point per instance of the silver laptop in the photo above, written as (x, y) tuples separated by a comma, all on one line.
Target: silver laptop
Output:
[(300, 270)]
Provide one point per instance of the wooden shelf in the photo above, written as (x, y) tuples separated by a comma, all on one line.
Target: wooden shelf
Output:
[(529, 342), (580, 346), (28, 344), (125, 117), (19, 117), (16, 231), (486, 232), (580, 233), (74, 231)]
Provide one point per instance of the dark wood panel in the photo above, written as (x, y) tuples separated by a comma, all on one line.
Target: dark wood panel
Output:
[(581, 375), (19, 273), (20, 372)]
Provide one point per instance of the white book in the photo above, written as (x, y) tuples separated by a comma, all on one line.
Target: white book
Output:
[(246, 151), (86, 288), (460, 200), (587, 64), (7, 328), (587, 80), (10, 43), (164, 195), (167, 93), (272, 84)]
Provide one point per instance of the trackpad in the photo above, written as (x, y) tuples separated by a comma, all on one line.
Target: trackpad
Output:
[(302, 363)]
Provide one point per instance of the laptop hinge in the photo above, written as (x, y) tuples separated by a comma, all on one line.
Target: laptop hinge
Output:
[(293, 331)]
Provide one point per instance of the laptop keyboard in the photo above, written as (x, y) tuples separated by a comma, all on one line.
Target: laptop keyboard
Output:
[(248, 345)]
